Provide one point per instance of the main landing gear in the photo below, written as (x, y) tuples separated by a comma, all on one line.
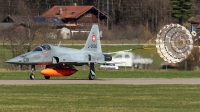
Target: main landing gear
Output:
[(91, 75), (47, 77), (32, 72)]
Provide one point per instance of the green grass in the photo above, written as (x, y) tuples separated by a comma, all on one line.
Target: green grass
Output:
[(83, 74), (99, 98)]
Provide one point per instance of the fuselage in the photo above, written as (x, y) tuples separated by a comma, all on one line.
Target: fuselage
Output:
[(49, 54)]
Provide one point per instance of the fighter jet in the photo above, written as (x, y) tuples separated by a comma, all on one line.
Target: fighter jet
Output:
[(61, 61)]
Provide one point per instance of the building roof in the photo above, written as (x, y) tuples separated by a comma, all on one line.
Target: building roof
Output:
[(194, 20), (7, 25), (35, 20), (69, 11)]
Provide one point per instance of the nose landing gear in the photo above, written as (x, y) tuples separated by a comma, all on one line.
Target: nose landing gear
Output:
[(32, 72)]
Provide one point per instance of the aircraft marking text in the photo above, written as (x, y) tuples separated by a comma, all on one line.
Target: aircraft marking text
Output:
[(26, 60), (92, 46)]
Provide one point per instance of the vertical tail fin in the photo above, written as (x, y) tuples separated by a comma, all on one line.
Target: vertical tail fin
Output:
[(93, 41)]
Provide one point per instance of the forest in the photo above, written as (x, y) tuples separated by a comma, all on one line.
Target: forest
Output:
[(150, 15), (132, 19)]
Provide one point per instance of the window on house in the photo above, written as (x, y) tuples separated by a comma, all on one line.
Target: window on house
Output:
[(71, 13), (80, 23), (40, 19), (88, 15), (56, 20)]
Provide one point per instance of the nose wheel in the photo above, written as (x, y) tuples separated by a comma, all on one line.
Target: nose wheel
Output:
[(32, 77)]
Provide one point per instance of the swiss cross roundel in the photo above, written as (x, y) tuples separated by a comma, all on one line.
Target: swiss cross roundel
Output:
[(93, 38)]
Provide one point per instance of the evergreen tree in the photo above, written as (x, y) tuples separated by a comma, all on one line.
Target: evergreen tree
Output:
[(181, 9)]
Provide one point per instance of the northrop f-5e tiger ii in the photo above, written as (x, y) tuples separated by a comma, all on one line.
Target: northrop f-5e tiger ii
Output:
[(60, 61)]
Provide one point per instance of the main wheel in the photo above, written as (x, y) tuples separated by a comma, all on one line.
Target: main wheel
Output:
[(90, 76), (47, 77), (32, 76)]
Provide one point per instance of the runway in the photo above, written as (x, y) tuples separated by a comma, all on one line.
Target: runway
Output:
[(134, 81)]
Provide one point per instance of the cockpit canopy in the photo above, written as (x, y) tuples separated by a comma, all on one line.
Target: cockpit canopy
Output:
[(42, 47)]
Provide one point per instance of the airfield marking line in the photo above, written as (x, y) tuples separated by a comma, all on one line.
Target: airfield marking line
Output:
[(134, 81)]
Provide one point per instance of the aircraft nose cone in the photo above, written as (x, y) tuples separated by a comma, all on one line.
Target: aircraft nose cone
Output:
[(15, 60)]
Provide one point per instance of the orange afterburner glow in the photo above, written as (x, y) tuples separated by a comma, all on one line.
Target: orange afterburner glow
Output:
[(58, 71)]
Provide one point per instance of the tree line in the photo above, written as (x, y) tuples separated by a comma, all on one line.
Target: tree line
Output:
[(152, 14), (131, 19)]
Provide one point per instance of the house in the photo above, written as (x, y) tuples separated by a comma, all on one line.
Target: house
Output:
[(34, 21), (25, 22), (194, 23), (77, 17)]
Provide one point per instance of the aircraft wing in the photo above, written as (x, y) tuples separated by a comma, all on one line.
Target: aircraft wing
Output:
[(81, 58), (101, 62), (119, 62), (119, 51)]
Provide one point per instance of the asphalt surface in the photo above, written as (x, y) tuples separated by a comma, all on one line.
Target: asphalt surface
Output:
[(134, 81)]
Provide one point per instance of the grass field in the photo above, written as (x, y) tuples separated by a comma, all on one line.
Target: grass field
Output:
[(99, 98), (102, 98), (83, 74)]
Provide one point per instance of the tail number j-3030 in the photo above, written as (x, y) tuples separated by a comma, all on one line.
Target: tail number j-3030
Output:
[(92, 46)]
